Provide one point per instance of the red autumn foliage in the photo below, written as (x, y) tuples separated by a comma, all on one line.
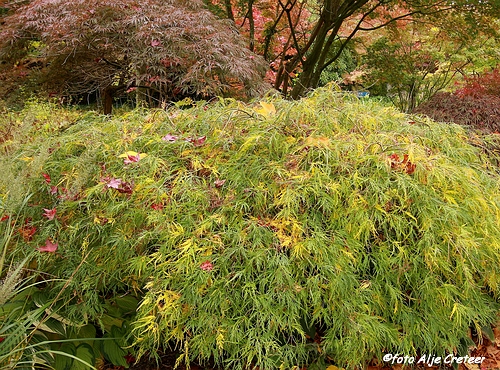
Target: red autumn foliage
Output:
[(157, 206), (199, 141), (132, 158), (404, 164), (124, 187), (167, 49), (27, 231), (475, 104), (49, 213), (49, 247), (486, 84), (46, 176), (207, 266)]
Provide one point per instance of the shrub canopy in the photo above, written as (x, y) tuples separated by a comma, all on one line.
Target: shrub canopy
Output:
[(169, 49), (276, 234)]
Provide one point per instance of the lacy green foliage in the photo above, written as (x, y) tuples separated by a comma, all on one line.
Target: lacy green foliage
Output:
[(280, 234), (33, 334), (18, 315)]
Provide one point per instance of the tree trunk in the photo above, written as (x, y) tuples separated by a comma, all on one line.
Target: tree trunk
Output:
[(333, 15), (108, 96), (229, 9), (109, 93), (251, 23), (310, 64)]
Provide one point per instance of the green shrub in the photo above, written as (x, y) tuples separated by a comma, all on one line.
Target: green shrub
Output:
[(325, 230)]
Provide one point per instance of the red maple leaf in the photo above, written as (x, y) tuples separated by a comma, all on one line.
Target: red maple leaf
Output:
[(119, 185), (402, 165), (132, 158), (219, 183), (48, 247), (46, 176), (126, 187), (394, 160), (114, 183), (27, 232), (49, 213), (197, 141), (207, 266), (169, 138), (157, 206), (410, 168)]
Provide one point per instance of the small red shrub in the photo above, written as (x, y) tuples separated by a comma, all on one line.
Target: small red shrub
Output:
[(476, 104)]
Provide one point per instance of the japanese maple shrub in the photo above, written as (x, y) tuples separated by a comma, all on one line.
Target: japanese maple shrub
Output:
[(476, 104), (322, 231), (165, 49)]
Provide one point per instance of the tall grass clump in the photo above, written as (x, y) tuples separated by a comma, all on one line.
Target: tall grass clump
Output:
[(29, 324), (322, 231)]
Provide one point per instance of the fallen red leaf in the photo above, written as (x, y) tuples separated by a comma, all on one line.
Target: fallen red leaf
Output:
[(129, 358), (197, 141), (125, 188), (114, 183), (118, 184), (207, 266), (219, 183), (48, 247), (27, 232), (410, 168), (169, 138), (49, 213), (402, 165), (132, 158)]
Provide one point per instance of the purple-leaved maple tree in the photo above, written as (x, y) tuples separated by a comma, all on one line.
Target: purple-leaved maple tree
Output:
[(162, 49)]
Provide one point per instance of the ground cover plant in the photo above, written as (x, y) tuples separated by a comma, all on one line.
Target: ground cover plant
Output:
[(328, 230)]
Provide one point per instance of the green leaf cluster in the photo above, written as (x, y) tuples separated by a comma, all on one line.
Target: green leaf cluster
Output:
[(327, 230)]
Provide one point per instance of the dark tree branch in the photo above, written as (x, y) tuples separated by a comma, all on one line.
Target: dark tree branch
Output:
[(288, 10)]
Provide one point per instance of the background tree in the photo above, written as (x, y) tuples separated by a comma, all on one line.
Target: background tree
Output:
[(411, 62), (340, 21), (166, 49), (312, 34)]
